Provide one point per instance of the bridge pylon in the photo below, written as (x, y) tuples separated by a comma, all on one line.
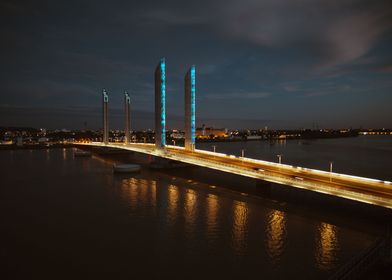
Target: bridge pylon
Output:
[(190, 107), (105, 101), (127, 123), (160, 105)]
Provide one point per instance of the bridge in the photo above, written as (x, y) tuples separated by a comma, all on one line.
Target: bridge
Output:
[(365, 190)]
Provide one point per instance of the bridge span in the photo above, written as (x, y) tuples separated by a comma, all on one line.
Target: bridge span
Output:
[(370, 191), (366, 190)]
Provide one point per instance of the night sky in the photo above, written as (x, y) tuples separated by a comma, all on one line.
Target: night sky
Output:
[(275, 63)]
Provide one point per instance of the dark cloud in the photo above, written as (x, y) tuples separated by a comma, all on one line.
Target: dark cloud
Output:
[(255, 59)]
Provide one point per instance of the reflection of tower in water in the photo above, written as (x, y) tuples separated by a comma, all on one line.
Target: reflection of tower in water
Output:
[(239, 230), (153, 193), (172, 200), (211, 214), (130, 191), (327, 246), (143, 186), (64, 154), (276, 234), (139, 192), (190, 210)]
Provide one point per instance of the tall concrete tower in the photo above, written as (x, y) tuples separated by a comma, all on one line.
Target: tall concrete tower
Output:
[(160, 105), (127, 105), (190, 107), (105, 100)]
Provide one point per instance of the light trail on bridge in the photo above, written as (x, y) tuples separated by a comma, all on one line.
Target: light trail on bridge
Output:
[(366, 190)]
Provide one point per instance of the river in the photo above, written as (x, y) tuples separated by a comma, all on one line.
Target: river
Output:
[(65, 217)]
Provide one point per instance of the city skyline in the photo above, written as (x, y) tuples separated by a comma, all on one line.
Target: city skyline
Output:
[(260, 62)]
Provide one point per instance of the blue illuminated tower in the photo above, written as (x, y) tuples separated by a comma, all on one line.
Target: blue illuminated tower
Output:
[(190, 107), (160, 105), (105, 101), (127, 105)]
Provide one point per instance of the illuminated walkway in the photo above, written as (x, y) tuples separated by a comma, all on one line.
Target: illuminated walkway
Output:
[(370, 191)]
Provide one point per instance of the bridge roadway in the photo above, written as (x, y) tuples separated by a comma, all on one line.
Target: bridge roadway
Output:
[(370, 191)]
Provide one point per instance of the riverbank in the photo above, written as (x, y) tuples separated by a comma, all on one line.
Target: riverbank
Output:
[(35, 146)]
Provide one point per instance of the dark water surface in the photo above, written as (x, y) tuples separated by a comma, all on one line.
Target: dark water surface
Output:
[(366, 156), (72, 218)]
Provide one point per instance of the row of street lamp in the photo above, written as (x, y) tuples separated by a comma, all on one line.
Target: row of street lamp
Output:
[(279, 157)]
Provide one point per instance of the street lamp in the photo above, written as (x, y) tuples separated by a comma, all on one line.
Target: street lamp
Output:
[(242, 152), (280, 158), (174, 142), (214, 147), (330, 166)]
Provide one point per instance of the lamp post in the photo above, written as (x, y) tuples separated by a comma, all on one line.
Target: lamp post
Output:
[(330, 171), (279, 158), (242, 153), (174, 142), (214, 147)]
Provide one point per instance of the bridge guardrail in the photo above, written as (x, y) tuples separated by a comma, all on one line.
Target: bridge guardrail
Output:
[(301, 184)]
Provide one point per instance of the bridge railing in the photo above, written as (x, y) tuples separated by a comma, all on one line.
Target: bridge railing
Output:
[(291, 167), (319, 187)]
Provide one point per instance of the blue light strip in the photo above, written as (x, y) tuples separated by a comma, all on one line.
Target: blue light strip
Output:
[(193, 103), (163, 102)]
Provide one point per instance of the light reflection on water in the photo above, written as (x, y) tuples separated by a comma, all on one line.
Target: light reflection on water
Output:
[(239, 229), (143, 186), (65, 154), (327, 246), (173, 198), (276, 235), (190, 211), (212, 215), (153, 193), (130, 191), (173, 220), (142, 193)]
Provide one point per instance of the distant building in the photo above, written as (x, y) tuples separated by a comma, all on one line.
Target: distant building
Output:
[(210, 132), (43, 140), (177, 134), (253, 137)]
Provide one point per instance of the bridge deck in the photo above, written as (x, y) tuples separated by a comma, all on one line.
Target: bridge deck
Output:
[(361, 189)]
